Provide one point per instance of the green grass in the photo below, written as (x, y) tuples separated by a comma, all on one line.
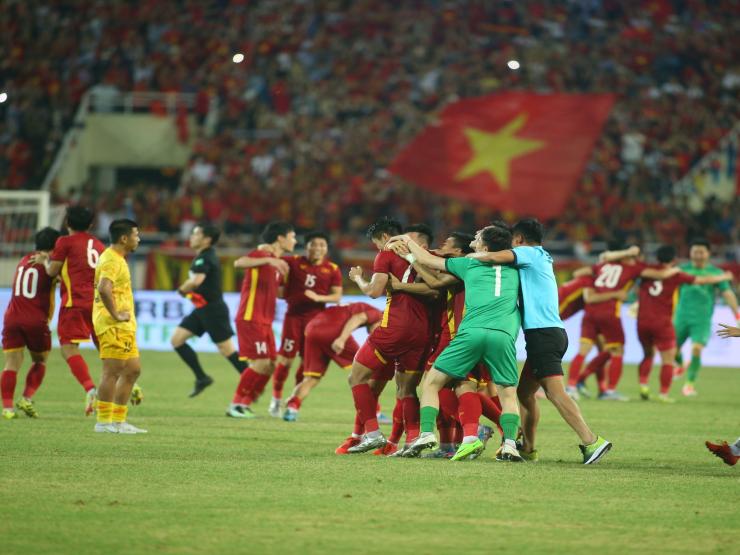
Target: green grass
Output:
[(203, 483)]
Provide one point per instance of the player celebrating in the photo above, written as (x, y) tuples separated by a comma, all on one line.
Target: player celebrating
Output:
[(693, 318), (264, 271), (654, 325), (401, 339), (545, 338), (74, 259), (211, 315), (115, 327), (487, 334), (329, 337), (26, 325), (312, 281), (609, 287)]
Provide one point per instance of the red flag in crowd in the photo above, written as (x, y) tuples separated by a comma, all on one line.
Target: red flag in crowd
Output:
[(516, 151)]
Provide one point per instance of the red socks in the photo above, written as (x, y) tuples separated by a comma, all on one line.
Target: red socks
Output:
[(34, 378), (278, 380), (79, 369), (575, 369), (644, 370), (365, 403), (491, 410), (666, 378), (299, 373), (397, 429), (596, 366), (411, 418), (294, 403), (250, 383), (470, 413), (7, 387), (614, 371)]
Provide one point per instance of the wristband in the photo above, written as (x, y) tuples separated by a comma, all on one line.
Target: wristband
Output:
[(410, 258)]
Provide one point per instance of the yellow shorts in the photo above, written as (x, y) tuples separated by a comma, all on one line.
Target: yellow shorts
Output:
[(118, 344)]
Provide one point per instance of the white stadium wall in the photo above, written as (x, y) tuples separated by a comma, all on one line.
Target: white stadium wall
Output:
[(159, 312)]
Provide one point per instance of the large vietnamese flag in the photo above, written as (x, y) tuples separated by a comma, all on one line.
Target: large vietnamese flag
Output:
[(516, 151)]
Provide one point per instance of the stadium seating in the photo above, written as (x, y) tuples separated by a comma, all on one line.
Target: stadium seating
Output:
[(324, 99)]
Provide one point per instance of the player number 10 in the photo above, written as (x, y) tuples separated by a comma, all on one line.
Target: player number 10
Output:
[(27, 282)]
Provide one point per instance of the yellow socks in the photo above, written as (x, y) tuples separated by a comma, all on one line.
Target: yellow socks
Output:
[(119, 412), (104, 411)]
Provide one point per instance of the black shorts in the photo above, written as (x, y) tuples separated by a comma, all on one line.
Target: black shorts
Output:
[(213, 318), (545, 350)]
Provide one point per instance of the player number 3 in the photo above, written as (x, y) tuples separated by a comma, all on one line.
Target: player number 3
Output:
[(27, 282), (656, 288)]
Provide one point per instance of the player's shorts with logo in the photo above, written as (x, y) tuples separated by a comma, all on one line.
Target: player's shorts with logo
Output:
[(118, 344), (389, 350), (699, 330), (494, 348), (606, 325), (318, 352), (294, 331), (75, 325), (255, 340), (212, 319), (32, 335), (545, 350)]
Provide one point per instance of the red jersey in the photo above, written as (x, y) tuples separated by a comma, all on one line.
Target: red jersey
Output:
[(259, 291), (320, 278), (658, 297), (32, 299), (401, 309), (79, 254), (332, 320), (612, 276), (570, 295), (453, 312)]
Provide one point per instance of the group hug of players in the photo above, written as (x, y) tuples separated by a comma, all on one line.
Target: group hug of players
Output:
[(457, 348)]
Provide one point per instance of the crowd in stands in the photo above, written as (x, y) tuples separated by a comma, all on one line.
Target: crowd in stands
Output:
[(329, 91)]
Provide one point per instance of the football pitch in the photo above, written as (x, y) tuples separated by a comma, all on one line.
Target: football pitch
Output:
[(203, 483)]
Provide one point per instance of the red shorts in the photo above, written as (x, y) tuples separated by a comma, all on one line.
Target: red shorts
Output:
[(256, 341), (294, 331), (393, 350), (660, 335), (444, 340), (75, 326), (318, 352), (17, 336), (608, 326)]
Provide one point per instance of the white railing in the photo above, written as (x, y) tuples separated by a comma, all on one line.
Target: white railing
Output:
[(70, 137)]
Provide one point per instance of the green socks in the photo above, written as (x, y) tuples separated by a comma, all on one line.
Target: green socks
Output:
[(428, 418), (693, 370), (510, 425)]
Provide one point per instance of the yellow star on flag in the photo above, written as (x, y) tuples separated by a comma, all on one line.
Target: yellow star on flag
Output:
[(493, 152)]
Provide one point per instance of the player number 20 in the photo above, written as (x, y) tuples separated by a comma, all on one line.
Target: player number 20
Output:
[(92, 254), (27, 282), (609, 276)]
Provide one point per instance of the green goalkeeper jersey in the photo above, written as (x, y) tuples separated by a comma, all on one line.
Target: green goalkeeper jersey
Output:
[(491, 295), (696, 302)]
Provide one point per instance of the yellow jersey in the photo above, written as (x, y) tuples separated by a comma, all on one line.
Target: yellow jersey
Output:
[(113, 266)]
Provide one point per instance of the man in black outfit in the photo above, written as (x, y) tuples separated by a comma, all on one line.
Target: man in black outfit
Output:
[(211, 315)]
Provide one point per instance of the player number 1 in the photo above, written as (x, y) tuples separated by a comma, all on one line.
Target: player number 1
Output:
[(497, 281)]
